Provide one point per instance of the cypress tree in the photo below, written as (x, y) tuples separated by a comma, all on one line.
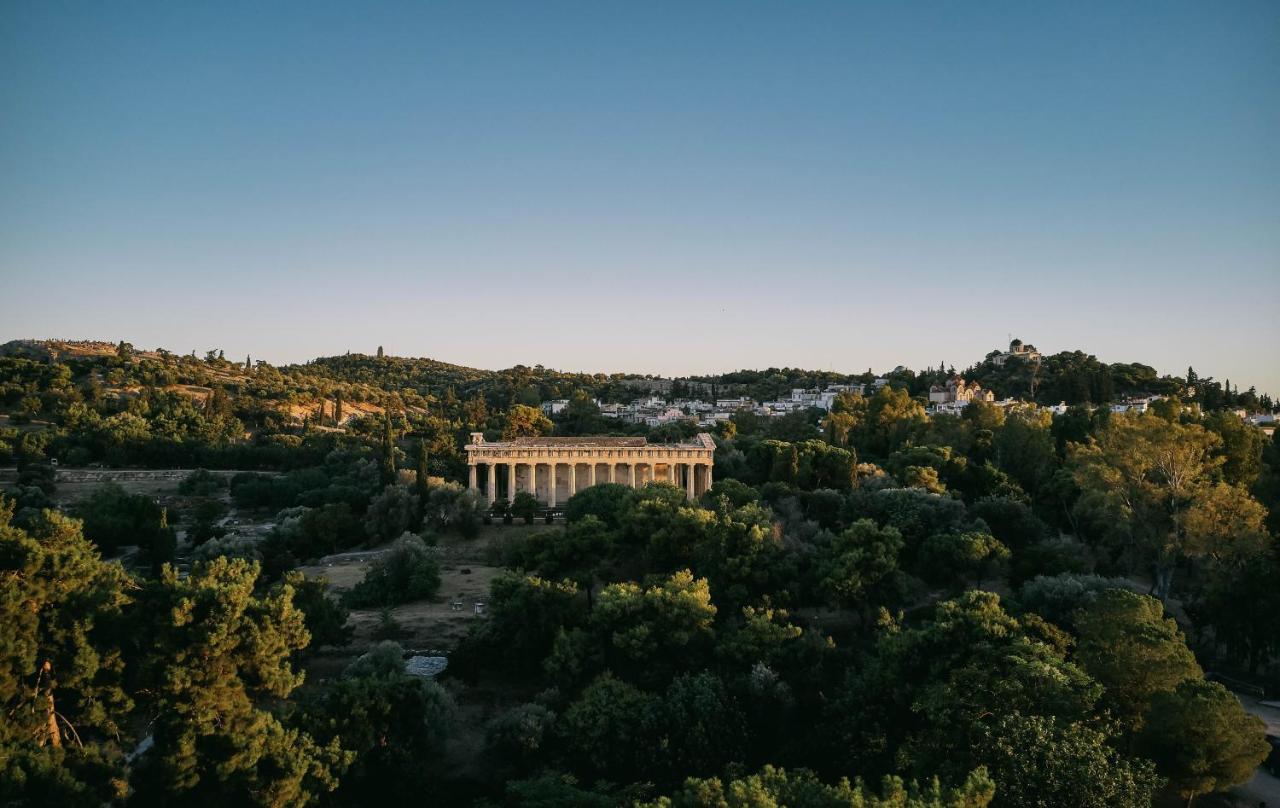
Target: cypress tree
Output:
[(337, 408), (423, 482), (379, 351), (248, 362), (388, 450), (164, 541)]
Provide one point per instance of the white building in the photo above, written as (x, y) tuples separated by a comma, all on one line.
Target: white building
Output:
[(1017, 350)]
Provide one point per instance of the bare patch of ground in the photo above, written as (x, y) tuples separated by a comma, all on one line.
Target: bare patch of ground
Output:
[(465, 576)]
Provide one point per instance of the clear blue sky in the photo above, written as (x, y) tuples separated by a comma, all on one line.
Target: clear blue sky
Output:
[(655, 187)]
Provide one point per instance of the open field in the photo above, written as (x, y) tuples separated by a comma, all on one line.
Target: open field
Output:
[(465, 577)]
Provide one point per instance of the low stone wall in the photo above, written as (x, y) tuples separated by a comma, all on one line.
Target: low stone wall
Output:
[(66, 475), (86, 475)]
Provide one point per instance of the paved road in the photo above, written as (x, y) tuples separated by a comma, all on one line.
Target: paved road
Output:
[(1263, 787)]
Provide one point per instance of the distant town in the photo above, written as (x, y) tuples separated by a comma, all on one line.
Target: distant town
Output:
[(947, 397)]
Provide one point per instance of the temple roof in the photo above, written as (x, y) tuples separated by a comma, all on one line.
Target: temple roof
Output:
[(584, 440), (702, 440)]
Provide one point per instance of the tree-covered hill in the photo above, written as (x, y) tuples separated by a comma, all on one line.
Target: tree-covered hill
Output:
[(826, 611), (84, 402)]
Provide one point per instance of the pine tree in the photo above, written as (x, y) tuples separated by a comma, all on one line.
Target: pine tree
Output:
[(215, 651), (61, 675), (1201, 738)]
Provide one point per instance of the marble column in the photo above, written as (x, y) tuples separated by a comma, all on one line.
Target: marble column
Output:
[(613, 468), (591, 473), (533, 479), (511, 481), (671, 473), (573, 478), (688, 480), (492, 491), (631, 474), (471, 476), (551, 489)]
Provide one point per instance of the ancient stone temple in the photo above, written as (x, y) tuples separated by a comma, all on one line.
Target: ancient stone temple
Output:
[(554, 469)]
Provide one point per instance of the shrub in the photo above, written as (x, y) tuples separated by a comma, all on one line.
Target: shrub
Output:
[(203, 517), (407, 572), (114, 518), (201, 483), (326, 618), (1057, 597), (451, 507), (524, 505), (519, 736), (383, 660), (229, 546), (388, 629), (315, 532), (391, 513)]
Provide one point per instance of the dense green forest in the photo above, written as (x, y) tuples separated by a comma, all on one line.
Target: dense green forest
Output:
[(870, 606)]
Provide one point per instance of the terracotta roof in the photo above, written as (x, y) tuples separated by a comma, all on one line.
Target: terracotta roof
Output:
[(585, 440)]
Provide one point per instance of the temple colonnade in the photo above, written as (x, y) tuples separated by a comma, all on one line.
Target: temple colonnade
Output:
[(554, 469)]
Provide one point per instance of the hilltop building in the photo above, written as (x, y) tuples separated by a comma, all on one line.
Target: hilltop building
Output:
[(1017, 350)]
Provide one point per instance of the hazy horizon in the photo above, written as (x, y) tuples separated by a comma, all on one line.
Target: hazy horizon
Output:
[(657, 188)]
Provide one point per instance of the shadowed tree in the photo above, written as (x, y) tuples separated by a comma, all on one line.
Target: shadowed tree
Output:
[(1133, 650), (1201, 738), (61, 672)]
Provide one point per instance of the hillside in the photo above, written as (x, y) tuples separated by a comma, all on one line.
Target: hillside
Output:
[(845, 567)]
